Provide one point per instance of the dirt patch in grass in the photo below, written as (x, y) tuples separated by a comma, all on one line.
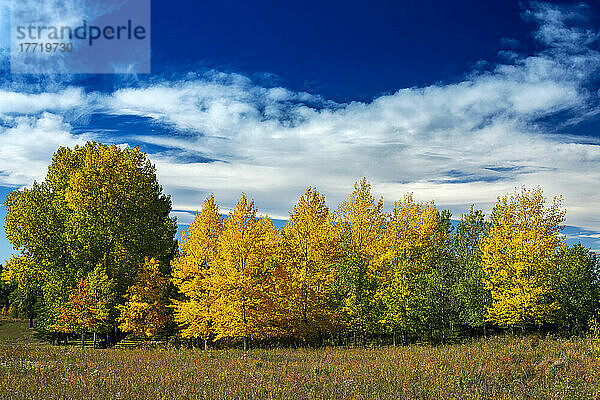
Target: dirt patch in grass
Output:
[(16, 331)]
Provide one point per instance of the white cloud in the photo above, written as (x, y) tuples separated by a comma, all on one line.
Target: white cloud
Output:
[(13, 102), (27, 146), (457, 143), (274, 146), (588, 235)]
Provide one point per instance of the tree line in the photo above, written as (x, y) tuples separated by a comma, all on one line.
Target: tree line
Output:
[(96, 253)]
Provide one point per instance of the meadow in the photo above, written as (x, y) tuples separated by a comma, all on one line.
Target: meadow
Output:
[(503, 367)]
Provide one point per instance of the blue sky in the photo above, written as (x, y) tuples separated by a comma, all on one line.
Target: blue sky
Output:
[(458, 102)]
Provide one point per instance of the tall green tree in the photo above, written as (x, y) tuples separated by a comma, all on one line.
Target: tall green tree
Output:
[(361, 270), (471, 295), (578, 291), (408, 243), (440, 278), (98, 206)]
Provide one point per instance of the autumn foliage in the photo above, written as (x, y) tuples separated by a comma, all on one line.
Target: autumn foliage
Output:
[(359, 269), (519, 258), (96, 254), (145, 312), (310, 249), (82, 313), (197, 253)]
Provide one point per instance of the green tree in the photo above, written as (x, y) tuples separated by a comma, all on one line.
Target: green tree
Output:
[(5, 292), (356, 289), (471, 295), (98, 206), (25, 279), (439, 278), (360, 270), (578, 291), (408, 244), (103, 289)]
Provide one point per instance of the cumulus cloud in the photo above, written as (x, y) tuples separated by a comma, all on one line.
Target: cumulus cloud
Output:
[(456, 143)]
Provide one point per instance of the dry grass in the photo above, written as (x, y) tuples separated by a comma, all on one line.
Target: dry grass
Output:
[(495, 368)]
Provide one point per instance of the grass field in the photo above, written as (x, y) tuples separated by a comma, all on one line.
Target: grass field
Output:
[(493, 368)]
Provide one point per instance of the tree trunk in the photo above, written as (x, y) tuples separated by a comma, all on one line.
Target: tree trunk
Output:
[(394, 338), (443, 334), (31, 322), (205, 344), (82, 340), (245, 343), (113, 336), (94, 340), (430, 334)]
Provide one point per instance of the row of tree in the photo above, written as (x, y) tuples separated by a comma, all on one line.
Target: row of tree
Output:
[(407, 272), (97, 254)]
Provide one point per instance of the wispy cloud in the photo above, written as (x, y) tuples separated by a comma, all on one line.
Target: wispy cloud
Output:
[(457, 143), (14, 102), (27, 145)]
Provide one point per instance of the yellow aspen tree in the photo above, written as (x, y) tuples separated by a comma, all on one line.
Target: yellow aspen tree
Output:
[(362, 222), (197, 254), (241, 281), (145, 312), (310, 247), (519, 258), (408, 246), (411, 233), (364, 219)]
